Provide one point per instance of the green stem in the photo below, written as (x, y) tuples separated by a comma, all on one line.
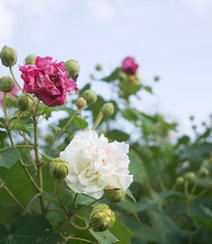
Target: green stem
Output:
[(201, 193), (11, 71), (38, 163), (72, 206), (13, 197), (17, 119), (58, 197), (174, 187), (98, 120), (80, 239), (77, 226), (18, 146), (30, 202), (188, 206), (13, 145), (83, 208), (61, 130)]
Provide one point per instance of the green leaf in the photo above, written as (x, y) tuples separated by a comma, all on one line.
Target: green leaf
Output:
[(29, 229), (122, 232), (80, 123), (8, 157), (85, 88), (3, 135), (112, 77), (136, 167), (25, 124), (105, 237), (130, 195), (118, 135), (148, 88), (46, 158)]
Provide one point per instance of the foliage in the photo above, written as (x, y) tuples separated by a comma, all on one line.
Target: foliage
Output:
[(156, 208)]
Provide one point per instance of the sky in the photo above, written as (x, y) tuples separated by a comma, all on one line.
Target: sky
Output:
[(169, 38)]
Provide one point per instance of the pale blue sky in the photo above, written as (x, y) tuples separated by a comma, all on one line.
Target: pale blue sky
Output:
[(169, 38)]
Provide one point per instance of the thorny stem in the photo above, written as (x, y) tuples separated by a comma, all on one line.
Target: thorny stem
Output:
[(11, 71), (61, 130)]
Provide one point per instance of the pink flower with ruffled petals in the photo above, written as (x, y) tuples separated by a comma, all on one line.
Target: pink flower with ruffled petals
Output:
[(129, 66), (48, 80)]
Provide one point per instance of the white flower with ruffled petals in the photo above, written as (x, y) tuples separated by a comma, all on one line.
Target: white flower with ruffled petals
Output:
[(96, 165)]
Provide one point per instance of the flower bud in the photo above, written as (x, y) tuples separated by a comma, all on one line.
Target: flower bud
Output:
[(115, 195), (81, 103), (157, 78), (30, 59), (98, 67), (122, 76), (25, 102), (101, 218), (59, 168), (191, 117), (190, 176), (89, 96), (203, 172), (180, 180), (6, 84), (108, 109), (92, 76), (8, 56), (72, 67)]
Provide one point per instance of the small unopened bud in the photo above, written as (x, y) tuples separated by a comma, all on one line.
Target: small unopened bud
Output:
[(115, 195), (81, 103), (98, 67), (101, 218), (8, 56), (122, 76), (191, 118), (6, 84), (72, 67), (59, 168), (157, 78), (108, 109), (90, 97), (194, 127), (203, 172), (190, 176), (30, 59), (92, 76), (180, 180), (25, 102)]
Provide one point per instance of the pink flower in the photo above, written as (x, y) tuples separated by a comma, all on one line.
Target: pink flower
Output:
[(129, 65), (14, 91), (48, 80)]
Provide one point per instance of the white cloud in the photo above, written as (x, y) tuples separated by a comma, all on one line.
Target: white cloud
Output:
[(6, 24), (102, 9)]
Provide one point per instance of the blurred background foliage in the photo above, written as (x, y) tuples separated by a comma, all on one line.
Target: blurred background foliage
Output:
[(159, 207)]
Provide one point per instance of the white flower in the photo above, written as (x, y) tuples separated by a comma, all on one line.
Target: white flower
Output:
[(96, 165)]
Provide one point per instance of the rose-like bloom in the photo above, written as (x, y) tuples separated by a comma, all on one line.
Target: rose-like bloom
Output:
[(129, 65), (14, 91), (96, 165), (48, 80)]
